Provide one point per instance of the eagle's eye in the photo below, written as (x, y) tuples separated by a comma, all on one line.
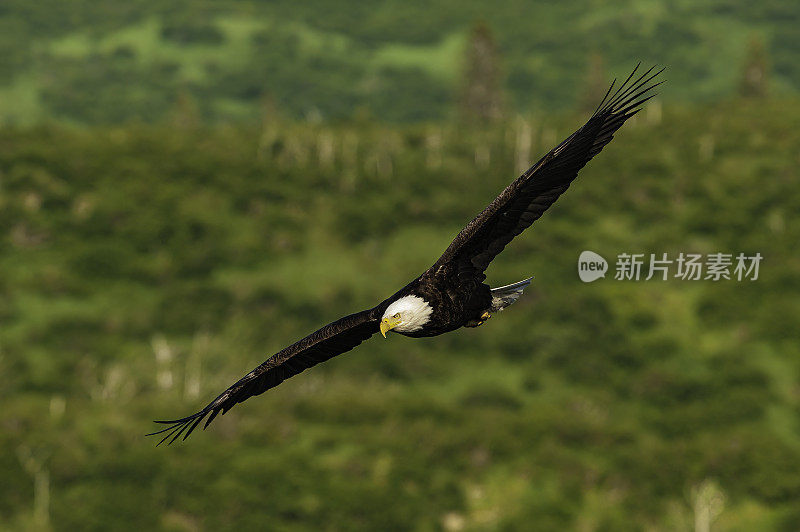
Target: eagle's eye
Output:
[(396, 316)]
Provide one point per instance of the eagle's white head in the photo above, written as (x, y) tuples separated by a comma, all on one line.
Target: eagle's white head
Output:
[(407, 314)]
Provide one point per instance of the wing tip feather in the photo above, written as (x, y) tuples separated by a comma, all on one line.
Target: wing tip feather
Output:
[(631, 93), (177, 426)]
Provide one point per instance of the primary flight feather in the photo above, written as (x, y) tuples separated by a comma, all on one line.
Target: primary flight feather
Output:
[(451, 294)]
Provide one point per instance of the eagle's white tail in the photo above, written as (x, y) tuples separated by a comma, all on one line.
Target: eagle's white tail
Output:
[(506, 295)]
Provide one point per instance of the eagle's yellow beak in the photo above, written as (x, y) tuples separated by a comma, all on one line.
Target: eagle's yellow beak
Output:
[(387, 324)]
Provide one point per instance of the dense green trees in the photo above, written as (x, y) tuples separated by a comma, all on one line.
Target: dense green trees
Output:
[(143, 268), (131, 60)]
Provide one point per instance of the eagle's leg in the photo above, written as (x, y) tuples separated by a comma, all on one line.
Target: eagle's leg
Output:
[(479, 321)]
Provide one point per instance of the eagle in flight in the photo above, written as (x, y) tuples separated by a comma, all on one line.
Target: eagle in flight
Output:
[(450, 294)]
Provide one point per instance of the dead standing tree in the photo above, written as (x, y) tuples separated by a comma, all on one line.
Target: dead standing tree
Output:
[(755, 71), (481, 98)]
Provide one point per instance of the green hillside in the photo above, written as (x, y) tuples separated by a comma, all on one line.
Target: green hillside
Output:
[(144, 268), (132, 60)]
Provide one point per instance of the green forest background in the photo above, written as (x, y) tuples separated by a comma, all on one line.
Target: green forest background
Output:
[(187, 188)]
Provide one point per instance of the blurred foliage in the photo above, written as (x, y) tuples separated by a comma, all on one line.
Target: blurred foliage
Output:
[(129, 60), (145, 268)]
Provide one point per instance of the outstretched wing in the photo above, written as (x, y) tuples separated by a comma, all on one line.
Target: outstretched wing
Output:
[(333, 339), (530, 195)]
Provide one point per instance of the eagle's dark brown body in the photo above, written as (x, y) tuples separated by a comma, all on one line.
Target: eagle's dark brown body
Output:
[(455, 304)]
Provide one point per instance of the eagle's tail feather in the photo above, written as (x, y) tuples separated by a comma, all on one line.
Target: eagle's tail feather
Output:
[(506, 295)]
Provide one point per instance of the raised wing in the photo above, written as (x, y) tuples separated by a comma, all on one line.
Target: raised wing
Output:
[(531, 194), (331, 340)]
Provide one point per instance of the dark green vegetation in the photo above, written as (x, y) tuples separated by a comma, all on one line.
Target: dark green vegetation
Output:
[(135, 60), (143, 269)]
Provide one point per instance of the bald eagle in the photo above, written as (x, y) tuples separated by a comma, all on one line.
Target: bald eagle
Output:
[(450, 294)]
